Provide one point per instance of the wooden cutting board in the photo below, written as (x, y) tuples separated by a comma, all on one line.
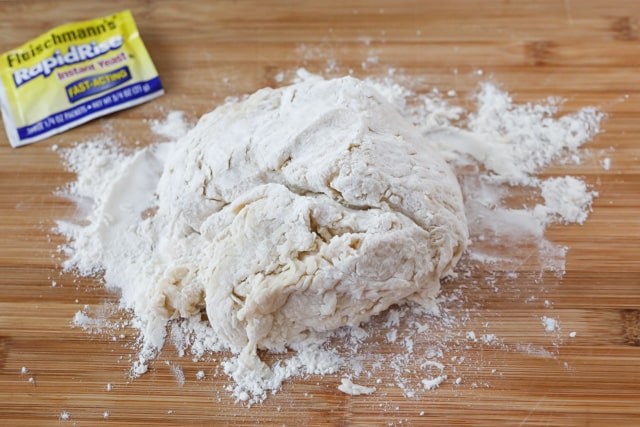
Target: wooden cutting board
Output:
[(587, 51)]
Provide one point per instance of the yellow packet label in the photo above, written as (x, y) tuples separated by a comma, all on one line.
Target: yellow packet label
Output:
[(72, 74)]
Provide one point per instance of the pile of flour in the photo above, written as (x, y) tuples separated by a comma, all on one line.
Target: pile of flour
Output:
[(296, 214)]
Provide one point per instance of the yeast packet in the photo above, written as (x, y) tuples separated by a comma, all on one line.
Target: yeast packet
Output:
[(72, 74)]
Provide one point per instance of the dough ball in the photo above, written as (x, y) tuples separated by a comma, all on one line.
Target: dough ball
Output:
[(304, 209)]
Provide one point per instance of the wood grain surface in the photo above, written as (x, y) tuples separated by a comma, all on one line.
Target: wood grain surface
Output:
[(587, 51)]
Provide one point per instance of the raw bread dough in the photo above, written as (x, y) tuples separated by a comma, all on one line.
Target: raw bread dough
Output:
[(301, 210)]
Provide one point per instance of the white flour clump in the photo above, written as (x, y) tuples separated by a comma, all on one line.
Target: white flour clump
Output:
[(348, 387), (566, 199)]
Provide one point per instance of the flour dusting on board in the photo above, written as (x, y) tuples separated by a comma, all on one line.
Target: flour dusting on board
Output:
[(144, 248)]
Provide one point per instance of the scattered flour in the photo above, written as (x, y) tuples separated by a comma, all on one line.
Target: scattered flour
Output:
[(436, 380), (151, 227), (177, 372), (566, 199), (550, 324), (514, 142), (433, 383), (488, 338), (173, 127)]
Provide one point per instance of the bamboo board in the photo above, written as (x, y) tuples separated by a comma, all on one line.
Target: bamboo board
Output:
[(586, 51)]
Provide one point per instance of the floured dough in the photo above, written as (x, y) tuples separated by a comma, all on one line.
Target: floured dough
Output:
[(301, 210)]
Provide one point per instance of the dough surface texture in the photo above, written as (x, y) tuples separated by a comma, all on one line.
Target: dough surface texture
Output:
[(301, 210)]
